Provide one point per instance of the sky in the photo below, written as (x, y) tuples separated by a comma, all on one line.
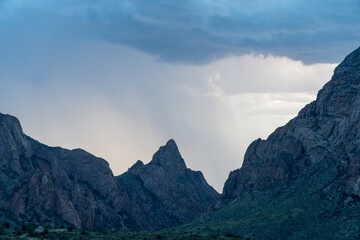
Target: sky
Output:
[(120, 78)]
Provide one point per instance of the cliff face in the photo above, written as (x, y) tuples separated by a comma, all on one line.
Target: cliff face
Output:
[(59, 187), (172, 193), (326, 132), (54, 186), (310, 166)]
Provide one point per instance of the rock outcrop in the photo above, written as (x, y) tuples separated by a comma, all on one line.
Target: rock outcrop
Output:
[(55, 186), (59, 187), (326, 132), (165, 191), (310, 166)]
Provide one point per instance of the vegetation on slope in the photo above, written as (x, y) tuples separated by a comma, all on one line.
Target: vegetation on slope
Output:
[(28, 232)]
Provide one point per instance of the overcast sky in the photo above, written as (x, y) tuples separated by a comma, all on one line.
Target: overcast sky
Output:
[(120, 78)]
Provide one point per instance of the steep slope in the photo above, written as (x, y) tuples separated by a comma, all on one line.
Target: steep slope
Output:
[(59, 187), (303, 182), (165, 191), (325, 130), (54, 186)]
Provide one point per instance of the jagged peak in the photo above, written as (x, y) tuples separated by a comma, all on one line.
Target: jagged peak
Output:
[(168, 156), (171, 143), (138, 163)]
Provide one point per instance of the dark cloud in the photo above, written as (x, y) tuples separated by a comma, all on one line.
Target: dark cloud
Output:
[(199, 31)]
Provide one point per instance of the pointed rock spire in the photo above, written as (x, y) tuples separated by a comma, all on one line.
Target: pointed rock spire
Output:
[(169, 157), (165, 193)]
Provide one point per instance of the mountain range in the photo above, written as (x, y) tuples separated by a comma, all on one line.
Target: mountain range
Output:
[(302, 182), (59, 187)]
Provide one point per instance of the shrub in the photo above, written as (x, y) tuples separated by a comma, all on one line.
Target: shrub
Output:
[(27, 229), (6, 225), (45, 232), (231, 235)]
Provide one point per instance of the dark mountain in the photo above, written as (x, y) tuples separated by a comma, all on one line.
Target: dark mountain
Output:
[(59, 187), (54, 186), (303, 182), (154, 187)]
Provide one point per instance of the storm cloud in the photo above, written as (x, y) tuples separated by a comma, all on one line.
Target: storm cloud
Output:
[(199, 31)]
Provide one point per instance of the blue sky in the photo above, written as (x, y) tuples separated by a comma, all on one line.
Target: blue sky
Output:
[(119, 78)]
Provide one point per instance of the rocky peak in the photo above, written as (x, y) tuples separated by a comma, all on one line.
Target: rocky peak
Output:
[(36, 179), (165, 193), (10, 127), (340, 97), (311, 164), (169, 157), (349, 66), (138, 164), (9, 118), (325, 132), (13, 142), (55, 186)]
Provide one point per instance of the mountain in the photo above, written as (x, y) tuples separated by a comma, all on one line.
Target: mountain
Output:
[(55, 186), (303, 181), (155, 186), (59, 187)]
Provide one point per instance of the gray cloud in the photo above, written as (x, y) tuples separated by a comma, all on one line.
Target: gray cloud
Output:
[(198, 32)]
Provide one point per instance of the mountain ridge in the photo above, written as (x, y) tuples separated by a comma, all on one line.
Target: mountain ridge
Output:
[(164, 178), (303, 181), (60, 187)]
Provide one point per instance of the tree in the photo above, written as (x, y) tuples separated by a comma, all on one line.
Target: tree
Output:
[(6, 225)]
